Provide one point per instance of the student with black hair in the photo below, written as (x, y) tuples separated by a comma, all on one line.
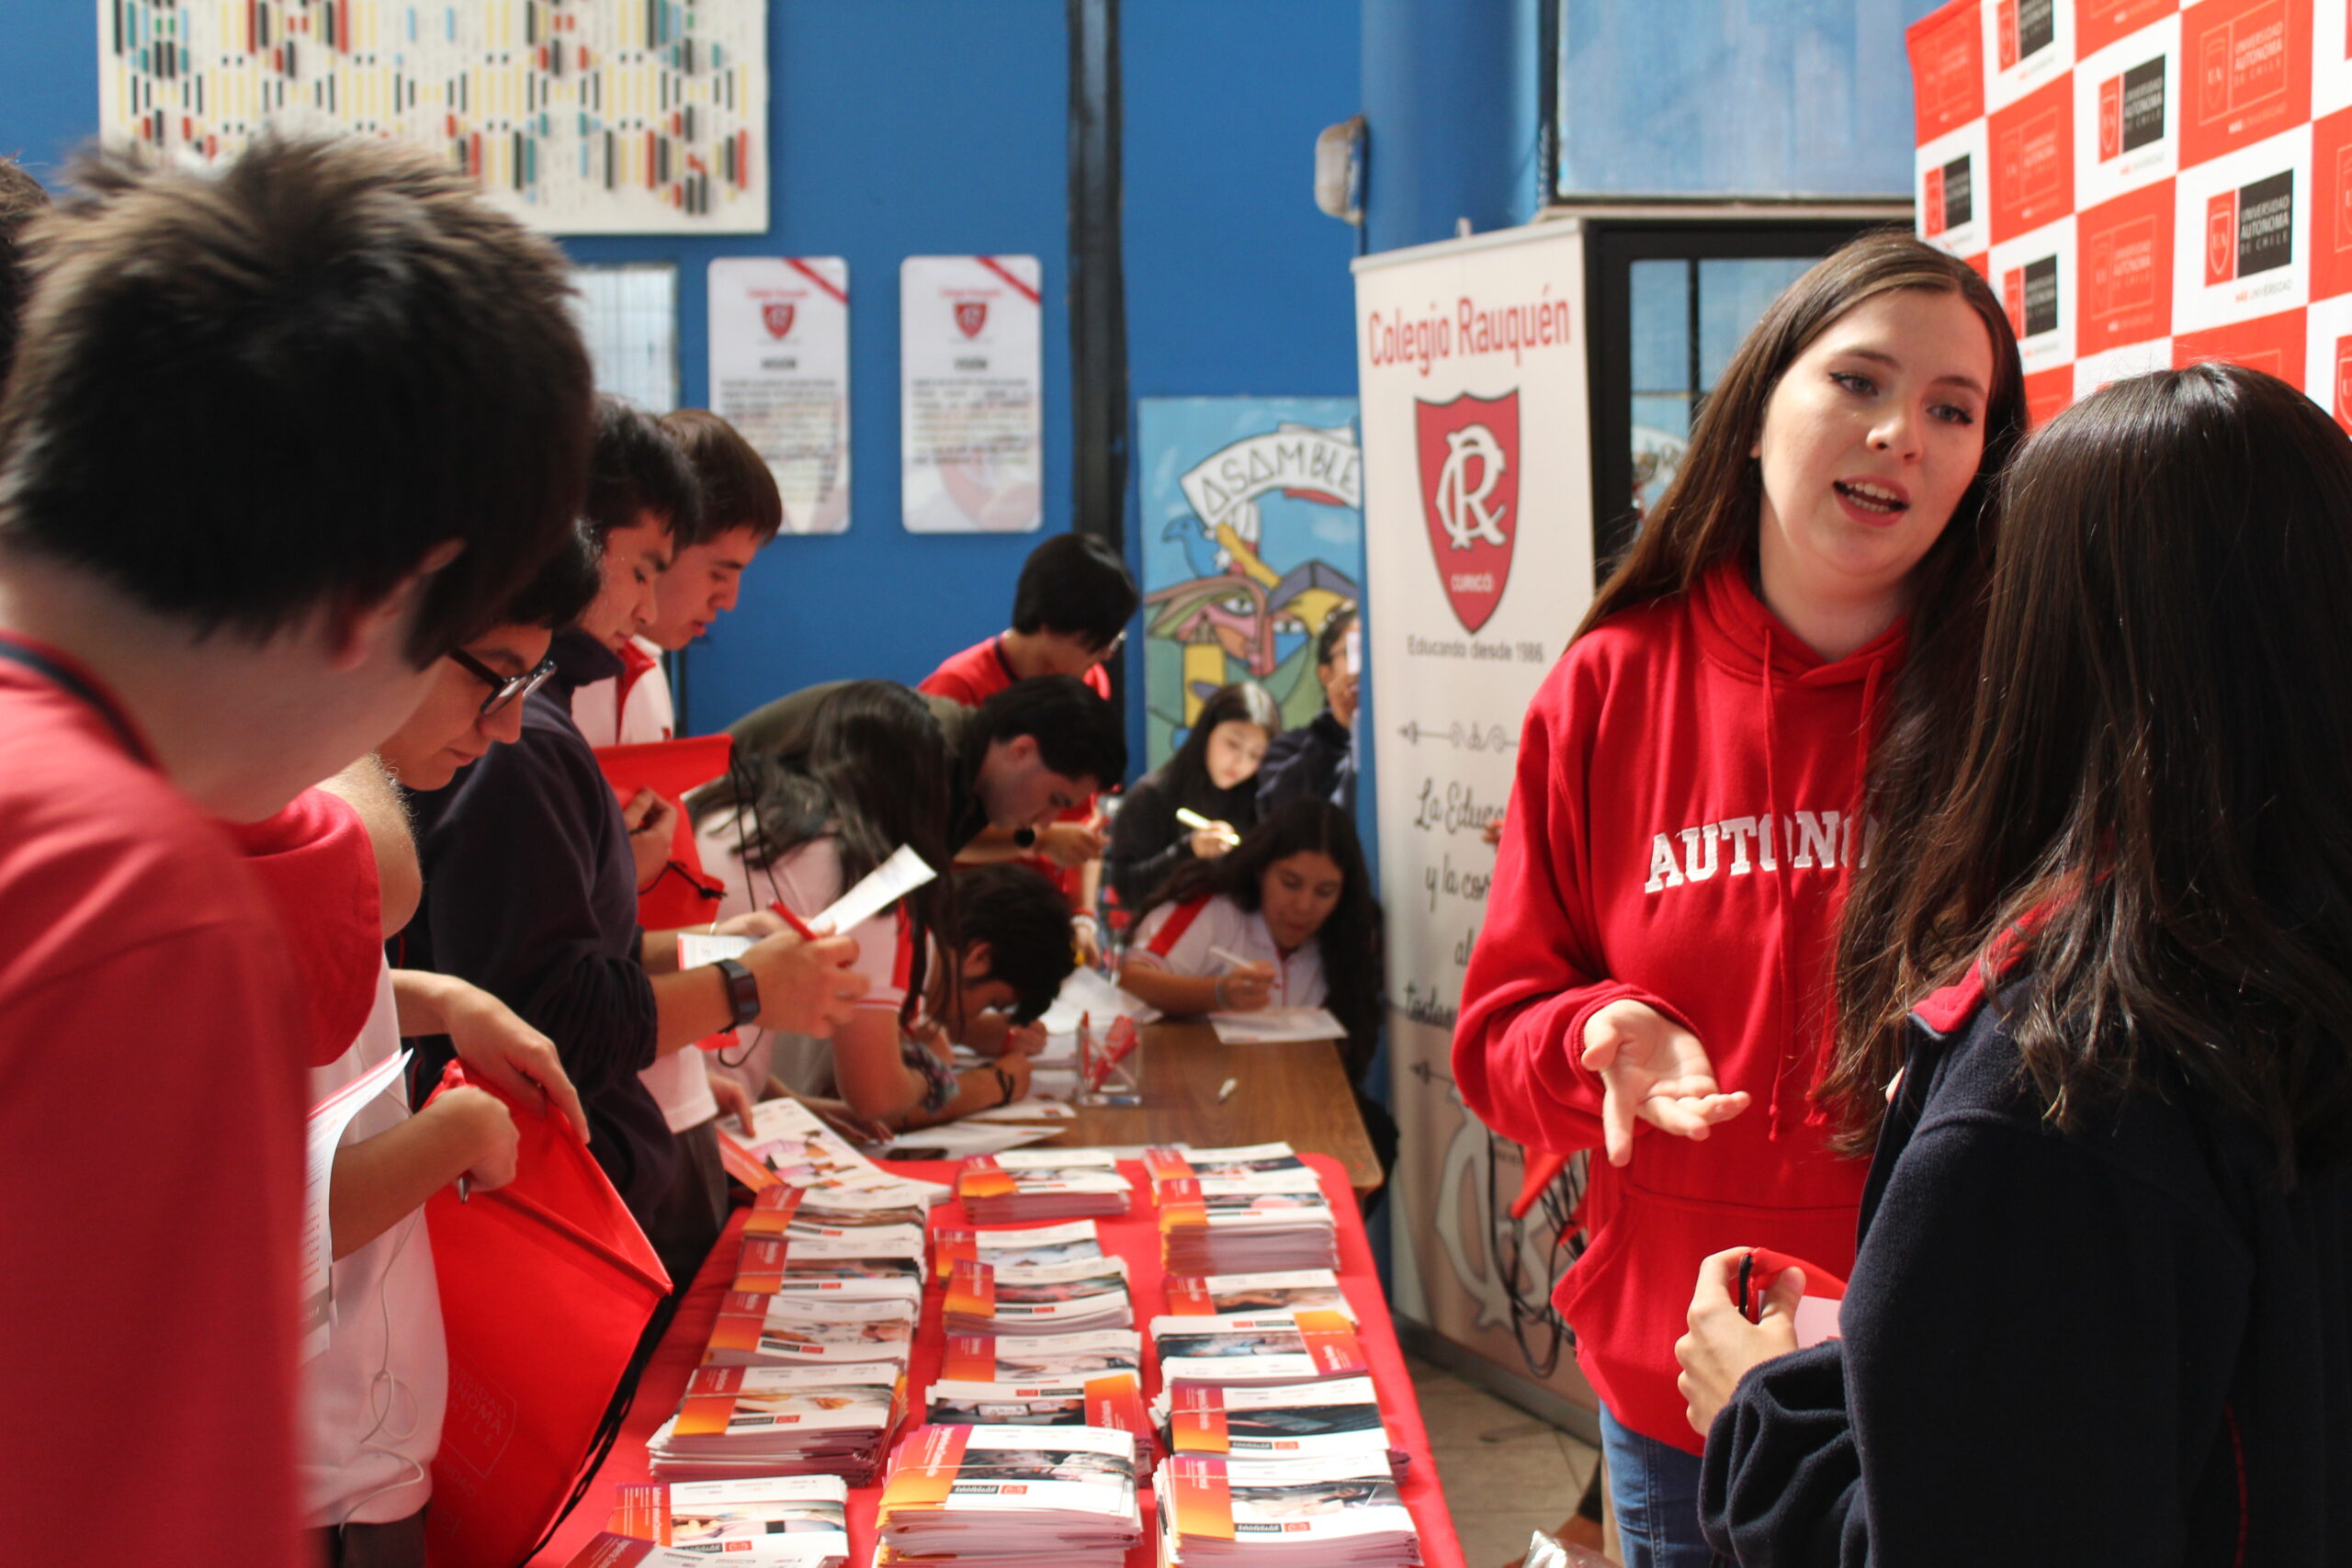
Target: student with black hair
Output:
[(741, 511), (1318, 759), (1213, 775), (532, 873), (1293, 903), (278, 437), (2101, 1312), (1071, 610), (1069, 614), (1026, 754), (800, 829)]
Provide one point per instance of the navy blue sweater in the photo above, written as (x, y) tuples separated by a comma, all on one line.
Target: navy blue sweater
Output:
[(530, 892), (2128, 1345)]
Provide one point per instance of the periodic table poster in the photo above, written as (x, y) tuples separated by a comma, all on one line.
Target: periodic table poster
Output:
[(2147, 183)]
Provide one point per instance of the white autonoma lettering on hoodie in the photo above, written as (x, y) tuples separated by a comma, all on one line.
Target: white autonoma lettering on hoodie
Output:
[(1822, 840)]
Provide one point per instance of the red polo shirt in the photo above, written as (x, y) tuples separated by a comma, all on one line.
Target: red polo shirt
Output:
[(150, 1104)]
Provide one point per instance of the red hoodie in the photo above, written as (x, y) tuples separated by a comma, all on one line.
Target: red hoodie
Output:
[(1679, 833)]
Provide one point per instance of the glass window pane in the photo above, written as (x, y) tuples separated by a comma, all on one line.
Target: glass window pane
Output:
[(1700, 97), (1661, 325), (1733, 295)]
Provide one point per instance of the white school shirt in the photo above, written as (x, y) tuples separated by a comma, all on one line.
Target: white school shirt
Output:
[(1177, 938), (372, 1401), (605, 718), (806, 882)]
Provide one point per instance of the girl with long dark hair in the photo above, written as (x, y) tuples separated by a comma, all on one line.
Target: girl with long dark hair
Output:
[(1294, 902), (1748, 712), (2102, 1312), (805, 828), (1214, 775)]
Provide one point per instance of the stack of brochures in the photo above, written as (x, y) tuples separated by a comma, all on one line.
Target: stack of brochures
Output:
[(796, 1420), (1257, 1348), (1243, 1211), (805, 1370), (1042, 1184), (1335, 1419), (770, 1522), (1011, 1494), (1320, 1513), (1299, 1289)]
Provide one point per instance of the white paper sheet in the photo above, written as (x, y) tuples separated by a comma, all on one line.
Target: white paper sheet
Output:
[(971, 415), (1088, 991), (881, 888), (696, 949), (329, 1118), (962, 1140), (1276, 1025)]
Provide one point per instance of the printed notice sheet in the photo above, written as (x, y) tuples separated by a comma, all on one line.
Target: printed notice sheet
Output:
[(779, 373), (970, 408)]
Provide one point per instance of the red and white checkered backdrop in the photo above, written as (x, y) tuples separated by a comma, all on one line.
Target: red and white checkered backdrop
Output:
[(2147, 183)]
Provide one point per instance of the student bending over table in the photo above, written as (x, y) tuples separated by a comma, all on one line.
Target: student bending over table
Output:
[(872, 777)]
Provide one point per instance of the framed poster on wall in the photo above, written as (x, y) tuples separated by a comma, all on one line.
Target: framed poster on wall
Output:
[(971, 394), (779, 373)]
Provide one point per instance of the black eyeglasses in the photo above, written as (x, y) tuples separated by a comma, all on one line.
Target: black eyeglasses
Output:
[(503, 689)]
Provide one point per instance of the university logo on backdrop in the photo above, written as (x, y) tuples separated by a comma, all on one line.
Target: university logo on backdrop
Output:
[(1469, 484), (971, 315), (777, 315)]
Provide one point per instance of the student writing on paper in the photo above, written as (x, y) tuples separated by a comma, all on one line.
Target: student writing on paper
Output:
[(1294, 901), (875, 777), (531, 882), (2102, 1310), (1212, 776), (279, 436)]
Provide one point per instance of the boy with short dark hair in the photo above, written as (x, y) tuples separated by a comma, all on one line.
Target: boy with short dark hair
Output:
[(741, 511), (276, 439), (532, 871)]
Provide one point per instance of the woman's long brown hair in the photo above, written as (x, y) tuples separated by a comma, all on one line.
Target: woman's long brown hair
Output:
[(2157, 767), (1713, 510)]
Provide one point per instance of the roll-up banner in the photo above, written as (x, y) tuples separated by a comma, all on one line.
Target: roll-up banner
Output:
[(2147, 184), (1470, 356)]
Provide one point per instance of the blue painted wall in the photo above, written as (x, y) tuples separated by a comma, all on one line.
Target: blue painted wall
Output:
[(912, 127)]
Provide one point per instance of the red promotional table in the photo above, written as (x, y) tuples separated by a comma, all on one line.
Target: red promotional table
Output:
[(1135, 1238)]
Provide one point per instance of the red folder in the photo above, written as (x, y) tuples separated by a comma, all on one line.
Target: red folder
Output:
[(547, 1285), (685, 895)]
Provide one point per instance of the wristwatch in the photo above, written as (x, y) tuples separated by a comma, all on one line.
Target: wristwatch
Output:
[(1024, 837), (742, 990)]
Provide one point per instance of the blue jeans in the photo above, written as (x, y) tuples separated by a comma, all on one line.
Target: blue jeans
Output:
[(1654, 1487)]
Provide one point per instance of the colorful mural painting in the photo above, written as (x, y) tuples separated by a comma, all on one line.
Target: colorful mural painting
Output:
[(1252, 536)]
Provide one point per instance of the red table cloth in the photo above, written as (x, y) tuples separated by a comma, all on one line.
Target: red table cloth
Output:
[(1136, 1238)]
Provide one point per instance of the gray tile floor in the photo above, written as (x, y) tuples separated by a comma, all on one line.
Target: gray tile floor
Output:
[(1505, 1472)]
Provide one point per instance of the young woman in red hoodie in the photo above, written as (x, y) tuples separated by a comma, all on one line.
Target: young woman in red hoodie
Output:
[(1766, 672)]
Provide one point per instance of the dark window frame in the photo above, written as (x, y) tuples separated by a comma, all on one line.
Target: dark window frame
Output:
[(1612, 247)]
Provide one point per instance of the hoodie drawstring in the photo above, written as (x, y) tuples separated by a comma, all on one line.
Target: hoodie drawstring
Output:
[(1782, 1026)]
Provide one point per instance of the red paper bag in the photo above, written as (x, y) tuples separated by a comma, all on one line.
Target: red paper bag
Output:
[(684, 895), (547, 1285)]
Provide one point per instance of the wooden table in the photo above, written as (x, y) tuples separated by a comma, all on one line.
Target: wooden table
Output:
[(1296, 1091)]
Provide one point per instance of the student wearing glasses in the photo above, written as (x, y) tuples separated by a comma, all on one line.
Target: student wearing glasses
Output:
[(530, 880)]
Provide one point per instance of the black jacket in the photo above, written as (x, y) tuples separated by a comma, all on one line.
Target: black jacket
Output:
[(2128, 1345), (1314, 761), (530, 893), (1149, 845)]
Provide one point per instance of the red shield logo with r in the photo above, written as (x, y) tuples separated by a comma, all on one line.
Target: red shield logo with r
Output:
[(776, 316), (2344, 382), (971, 315), (1469, 482)]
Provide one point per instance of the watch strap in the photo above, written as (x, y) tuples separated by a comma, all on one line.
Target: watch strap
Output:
[(742, 990)]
